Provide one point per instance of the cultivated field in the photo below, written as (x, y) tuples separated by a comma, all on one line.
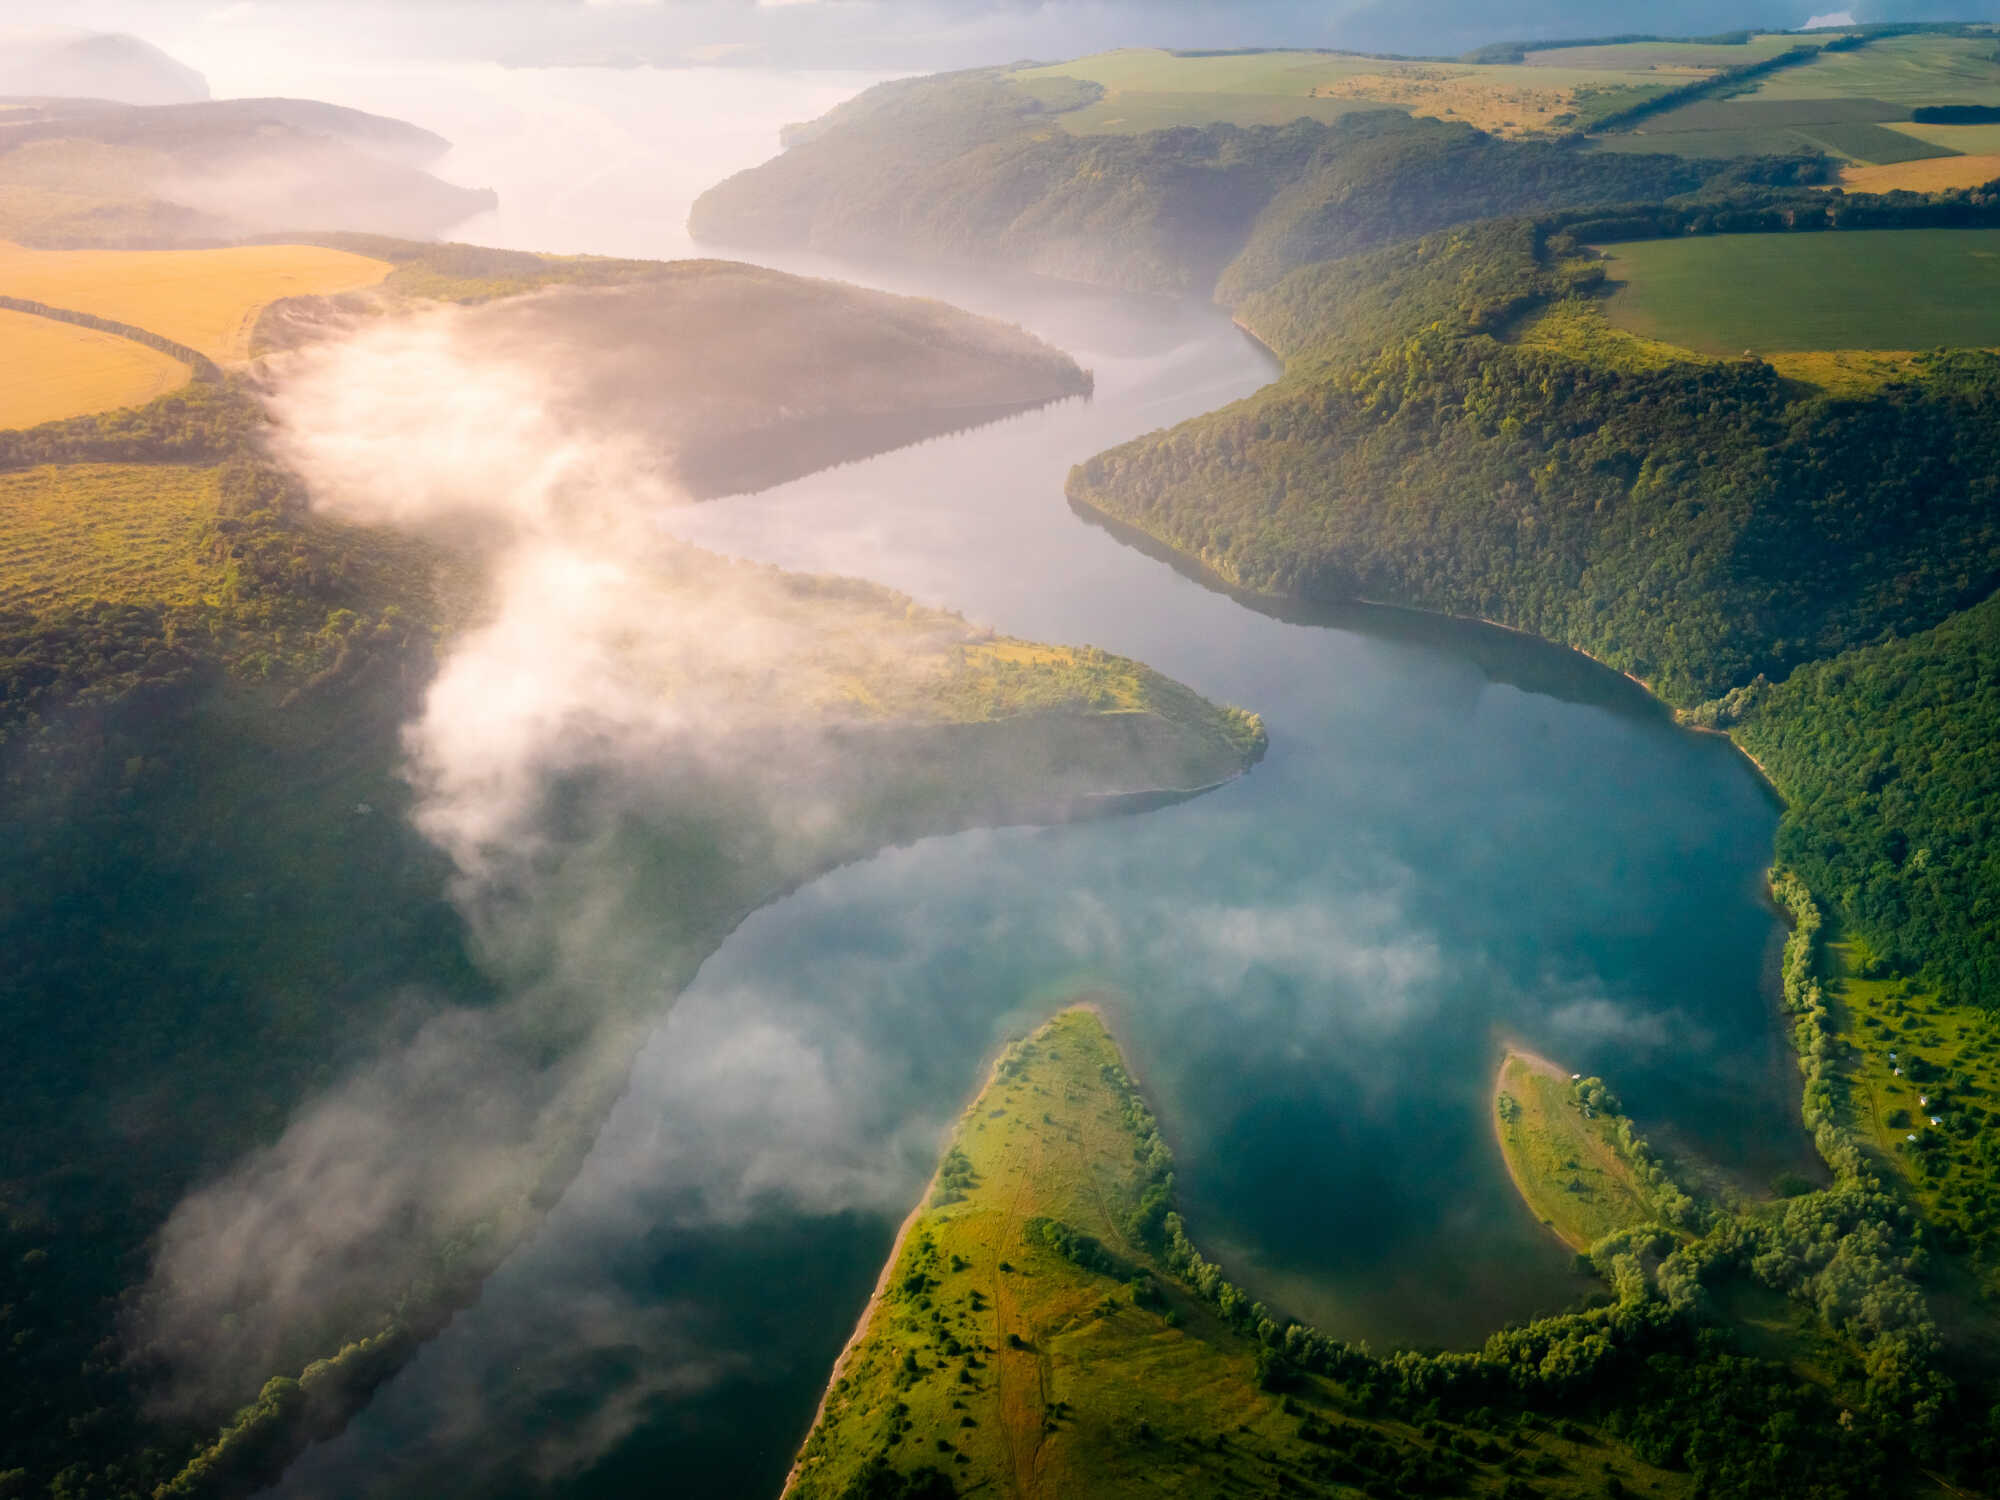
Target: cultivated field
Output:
[(1853, 105), (1908, 70), (1855, 129), (1937, 174), (51, 370), (1727, 293), (206, 299), (1579, 330), (1972, 140), (1688, 59), (125, 533), (1152, 90)]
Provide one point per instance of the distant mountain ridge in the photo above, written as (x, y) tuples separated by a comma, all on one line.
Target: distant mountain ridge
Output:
[(91, 172), (69, 62)]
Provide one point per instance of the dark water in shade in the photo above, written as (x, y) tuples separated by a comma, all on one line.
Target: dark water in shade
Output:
[(1460, 837)]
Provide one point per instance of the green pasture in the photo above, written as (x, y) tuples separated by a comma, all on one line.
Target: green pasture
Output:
[(1909, 70), (1635, 57), (1967, 140), (1564, 1162), (1864, 289), (1148, 89), (1135, 111), (1857, 129), (1014, 1366), (1915, 1058)]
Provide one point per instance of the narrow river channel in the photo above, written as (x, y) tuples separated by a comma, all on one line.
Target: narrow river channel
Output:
[(1460, 837)]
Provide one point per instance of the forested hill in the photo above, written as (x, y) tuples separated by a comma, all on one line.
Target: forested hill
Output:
[(1705, 524), (1694, 524), (971, 168)]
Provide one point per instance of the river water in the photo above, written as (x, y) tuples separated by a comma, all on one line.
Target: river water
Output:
[(1460, 838)]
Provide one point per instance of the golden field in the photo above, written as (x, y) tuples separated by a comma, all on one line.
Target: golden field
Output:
[(206, 299), (1935, 174), (51, 370)]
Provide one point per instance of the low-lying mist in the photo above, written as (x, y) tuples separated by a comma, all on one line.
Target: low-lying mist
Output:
[(624, 751)]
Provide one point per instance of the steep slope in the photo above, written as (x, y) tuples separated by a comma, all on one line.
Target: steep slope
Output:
[(971, 168)]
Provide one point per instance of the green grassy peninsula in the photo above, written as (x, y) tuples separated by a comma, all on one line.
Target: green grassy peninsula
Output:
[(1044, 1328), (1560, 1138)]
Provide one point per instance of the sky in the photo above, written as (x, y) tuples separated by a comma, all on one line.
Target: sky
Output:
[(917, 35)]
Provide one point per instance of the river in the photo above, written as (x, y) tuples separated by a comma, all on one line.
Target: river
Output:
[(1460, 838)]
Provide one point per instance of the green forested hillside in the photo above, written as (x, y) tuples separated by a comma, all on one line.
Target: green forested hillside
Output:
[(1694, 524), (1705, 524), (1888, 758), (969, 167)]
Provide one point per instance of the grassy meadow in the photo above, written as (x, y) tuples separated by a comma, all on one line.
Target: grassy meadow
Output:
[(1024, 1340), (1903, 70), (1147, 89), (1854, 105), (1676, 60), (51, 370), (1913, 1058), (206, 299), (1577, 329), (127, 533), (1724, 294), (1969, 140), (1564, 1161)]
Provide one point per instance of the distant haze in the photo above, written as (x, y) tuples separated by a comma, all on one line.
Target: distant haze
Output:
[(74, 63), (911, 35)]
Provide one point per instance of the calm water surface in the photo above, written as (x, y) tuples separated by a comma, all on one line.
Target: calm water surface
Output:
[(1459, 838)]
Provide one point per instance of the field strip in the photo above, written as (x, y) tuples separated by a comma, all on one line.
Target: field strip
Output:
[(205, 299), (50, 370)]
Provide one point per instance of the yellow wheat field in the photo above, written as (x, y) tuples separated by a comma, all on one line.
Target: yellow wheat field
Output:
[(1935, 174), (206, 299), (50, 370)]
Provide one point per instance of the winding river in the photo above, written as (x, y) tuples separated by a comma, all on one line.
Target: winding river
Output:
[(1460, 838)]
